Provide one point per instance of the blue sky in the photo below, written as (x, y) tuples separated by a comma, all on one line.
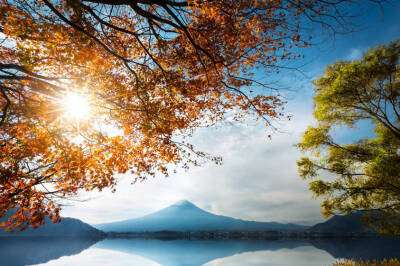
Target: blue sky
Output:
[(258, 179)]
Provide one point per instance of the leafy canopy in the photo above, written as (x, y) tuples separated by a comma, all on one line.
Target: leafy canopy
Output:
[(384, 262), (148, 71), (365, 174)]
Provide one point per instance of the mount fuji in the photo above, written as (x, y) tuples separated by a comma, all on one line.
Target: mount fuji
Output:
[(185, 216)]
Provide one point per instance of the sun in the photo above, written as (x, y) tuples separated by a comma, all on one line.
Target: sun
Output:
[(76, 106)]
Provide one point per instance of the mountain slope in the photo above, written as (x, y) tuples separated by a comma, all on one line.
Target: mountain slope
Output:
[(342, 224), (185, 216), (66, 227)]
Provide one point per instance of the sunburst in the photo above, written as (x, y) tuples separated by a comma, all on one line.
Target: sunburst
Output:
[(76, 106)]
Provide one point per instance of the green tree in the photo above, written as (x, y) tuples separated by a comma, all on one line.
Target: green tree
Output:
[(365, 174)]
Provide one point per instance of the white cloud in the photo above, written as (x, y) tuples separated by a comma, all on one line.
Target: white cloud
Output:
[(355, 54), (258, 180)]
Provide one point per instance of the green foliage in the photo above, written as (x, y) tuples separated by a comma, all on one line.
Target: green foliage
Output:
[(384, 262), (365, 174)]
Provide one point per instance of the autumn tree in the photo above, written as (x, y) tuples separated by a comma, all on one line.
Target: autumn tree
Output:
[(384, 262), (365, 174), (144, 72)]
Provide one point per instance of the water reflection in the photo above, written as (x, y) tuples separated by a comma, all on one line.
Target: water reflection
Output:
[(365, 248), (79, 251), (15, 251), (301, 256), (186, 252)]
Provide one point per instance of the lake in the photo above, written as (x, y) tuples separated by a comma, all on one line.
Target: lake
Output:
[(82, 251)]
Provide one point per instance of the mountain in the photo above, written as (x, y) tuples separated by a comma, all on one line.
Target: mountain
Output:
[(342, 224), (66, 227), (185, 216)]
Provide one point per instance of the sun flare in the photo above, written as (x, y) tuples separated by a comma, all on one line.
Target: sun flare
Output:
[(76, 106)]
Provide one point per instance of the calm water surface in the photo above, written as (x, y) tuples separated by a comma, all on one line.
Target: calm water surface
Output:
[(89, 252)]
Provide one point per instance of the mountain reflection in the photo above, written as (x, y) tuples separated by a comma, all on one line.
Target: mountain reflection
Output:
[(16, 251), (365, 248), (186, 252), (34, 250)]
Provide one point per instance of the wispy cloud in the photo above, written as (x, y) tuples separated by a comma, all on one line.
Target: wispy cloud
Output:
[(355, 54), (258, 180)]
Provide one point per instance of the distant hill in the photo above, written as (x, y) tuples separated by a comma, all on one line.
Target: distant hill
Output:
[(66, 227), (339, 224), (185, 216)]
